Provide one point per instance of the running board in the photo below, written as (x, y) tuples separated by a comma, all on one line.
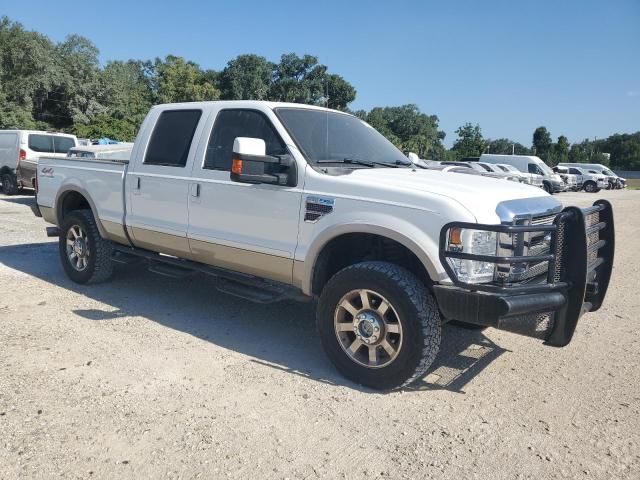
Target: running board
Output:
[(249, 287)]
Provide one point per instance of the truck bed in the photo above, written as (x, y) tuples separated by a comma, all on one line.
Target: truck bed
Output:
[(105, 179)]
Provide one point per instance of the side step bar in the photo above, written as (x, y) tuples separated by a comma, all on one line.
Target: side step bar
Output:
[(248, 287)]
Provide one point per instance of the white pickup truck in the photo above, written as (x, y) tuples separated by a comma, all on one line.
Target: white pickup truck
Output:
[(290, 201)]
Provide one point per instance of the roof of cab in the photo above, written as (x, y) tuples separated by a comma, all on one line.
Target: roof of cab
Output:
[(245, 104)]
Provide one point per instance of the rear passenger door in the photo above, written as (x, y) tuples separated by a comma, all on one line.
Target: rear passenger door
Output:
[(158, 183), (244, 227)]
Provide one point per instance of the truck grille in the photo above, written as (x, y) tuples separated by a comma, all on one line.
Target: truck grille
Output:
[(525, 244)]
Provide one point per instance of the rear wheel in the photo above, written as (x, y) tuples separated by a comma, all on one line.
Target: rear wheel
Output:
[(85, 255), (379, 325), (9, 184)]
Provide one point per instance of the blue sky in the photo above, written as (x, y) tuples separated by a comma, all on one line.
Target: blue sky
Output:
[(573, 66)]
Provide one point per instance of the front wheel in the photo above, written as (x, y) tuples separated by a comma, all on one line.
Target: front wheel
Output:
[(378, 325), (85, 255), (547, 188), (591, 187)]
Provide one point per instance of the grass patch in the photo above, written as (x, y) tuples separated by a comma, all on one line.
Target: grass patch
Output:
[(633, 183)]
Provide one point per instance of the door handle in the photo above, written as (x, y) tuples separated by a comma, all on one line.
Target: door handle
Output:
[(138, 183), (195, 189)]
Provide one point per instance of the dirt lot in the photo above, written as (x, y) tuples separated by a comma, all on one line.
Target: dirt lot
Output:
[(147, 377)]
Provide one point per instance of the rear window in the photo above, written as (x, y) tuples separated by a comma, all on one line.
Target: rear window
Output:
[(171, 139), (50, 143), (8, 140)]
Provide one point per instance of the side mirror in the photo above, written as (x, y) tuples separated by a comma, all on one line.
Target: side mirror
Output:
[(249, 164)]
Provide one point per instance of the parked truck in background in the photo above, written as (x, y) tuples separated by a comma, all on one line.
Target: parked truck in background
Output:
[(551, 182), (614, 181), (20, 151), (279, 200)]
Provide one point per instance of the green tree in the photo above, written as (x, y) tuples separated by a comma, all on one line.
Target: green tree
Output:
[(470, 142), (559, 152), (578, 153), (298, 80), (179, 80), (28, 69), (246, 77), (409, 129), (504, 146), (542, 142)]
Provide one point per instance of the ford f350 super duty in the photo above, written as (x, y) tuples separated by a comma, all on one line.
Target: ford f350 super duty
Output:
[(279, 201)]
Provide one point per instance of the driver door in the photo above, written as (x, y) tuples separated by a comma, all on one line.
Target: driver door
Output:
[(244, 227)]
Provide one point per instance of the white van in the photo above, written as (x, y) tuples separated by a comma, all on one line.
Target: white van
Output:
[(20, 151), (551, 182)]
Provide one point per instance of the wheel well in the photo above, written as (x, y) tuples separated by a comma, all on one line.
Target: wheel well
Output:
[(352, 248), (71, 201)]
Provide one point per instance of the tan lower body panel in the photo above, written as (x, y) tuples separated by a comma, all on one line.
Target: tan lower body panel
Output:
[(237, 259), (161, 242), (245, 261), (114, 231)]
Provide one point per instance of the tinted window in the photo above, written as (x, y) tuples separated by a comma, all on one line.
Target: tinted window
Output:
[(171, 138), (63, 144), (533, 168), (41, 143), (239, 123), (574, 171), (8, 140)]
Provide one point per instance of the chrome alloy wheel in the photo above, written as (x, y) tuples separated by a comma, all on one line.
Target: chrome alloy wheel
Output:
[(77, 248), (368, 328)]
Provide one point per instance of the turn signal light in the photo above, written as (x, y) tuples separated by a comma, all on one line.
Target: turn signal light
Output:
[(455, 236), (236, 166)]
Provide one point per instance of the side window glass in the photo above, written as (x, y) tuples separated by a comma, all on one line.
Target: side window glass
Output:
[(41, 143), (63, 144), (230, 124), (171, 138)]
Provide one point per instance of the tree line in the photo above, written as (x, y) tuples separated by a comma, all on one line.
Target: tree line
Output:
[(48, 85)]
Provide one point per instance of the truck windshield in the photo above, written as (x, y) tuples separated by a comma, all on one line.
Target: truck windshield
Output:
[(325, 137)]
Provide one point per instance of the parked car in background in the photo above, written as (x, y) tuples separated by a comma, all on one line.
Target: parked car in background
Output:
[(591, 182), (20, 151), (498, 171), (551, 182), (596, 168), (119, 151), (528, 178), (573, 182)]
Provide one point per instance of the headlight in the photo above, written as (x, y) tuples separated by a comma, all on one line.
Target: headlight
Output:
[(478, 242)]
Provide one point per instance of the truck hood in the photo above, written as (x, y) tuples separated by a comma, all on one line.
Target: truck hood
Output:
[(480, 195)]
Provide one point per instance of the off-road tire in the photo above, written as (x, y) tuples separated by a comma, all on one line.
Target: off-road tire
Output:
[(9, 184), (100, 264), (417, 312)]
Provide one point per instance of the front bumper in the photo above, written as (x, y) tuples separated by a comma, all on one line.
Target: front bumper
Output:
[(576, 282), (558, 186)]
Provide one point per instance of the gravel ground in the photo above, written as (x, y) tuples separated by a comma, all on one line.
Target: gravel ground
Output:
[(148, 377)]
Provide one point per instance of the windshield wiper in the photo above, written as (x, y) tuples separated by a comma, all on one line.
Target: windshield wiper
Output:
[(354, 161), (366, 163)]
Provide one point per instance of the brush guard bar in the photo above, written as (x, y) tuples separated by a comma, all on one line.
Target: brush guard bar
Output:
[(548, 307)]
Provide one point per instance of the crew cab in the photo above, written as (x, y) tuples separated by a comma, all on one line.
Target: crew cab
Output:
[(286, 201)]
